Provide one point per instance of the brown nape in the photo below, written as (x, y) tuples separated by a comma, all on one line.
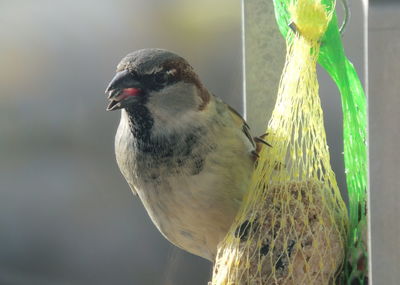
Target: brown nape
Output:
[(184, 72), (205, 96)]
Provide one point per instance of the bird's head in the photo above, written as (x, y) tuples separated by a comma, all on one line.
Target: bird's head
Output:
[(158, 78)]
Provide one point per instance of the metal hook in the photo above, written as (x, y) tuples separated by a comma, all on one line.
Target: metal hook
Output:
[(346, 9), (293, 27)]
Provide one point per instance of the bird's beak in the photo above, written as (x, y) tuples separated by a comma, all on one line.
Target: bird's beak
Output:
[(121, 88)]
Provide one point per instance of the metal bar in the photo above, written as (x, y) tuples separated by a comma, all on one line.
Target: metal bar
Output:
[(264, 56), (384, 139)]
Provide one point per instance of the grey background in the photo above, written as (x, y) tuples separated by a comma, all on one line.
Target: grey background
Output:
[(66, 214)]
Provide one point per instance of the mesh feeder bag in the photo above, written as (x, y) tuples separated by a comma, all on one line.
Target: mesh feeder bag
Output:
[(292, 226), (333, 59)]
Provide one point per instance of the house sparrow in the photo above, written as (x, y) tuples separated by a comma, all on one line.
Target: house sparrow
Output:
[(188, 155)]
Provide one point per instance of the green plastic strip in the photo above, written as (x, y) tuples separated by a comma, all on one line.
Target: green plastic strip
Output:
[(333, 59)]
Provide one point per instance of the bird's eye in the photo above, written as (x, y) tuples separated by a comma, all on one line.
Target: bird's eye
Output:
[(160, 78)]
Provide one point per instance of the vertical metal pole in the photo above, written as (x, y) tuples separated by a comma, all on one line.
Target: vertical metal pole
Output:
[(264, 55), (384, 140)]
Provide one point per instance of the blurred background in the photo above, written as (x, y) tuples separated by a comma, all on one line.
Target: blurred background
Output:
[(66, 214)]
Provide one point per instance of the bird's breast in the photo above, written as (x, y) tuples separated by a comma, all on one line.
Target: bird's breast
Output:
[(191, 185)]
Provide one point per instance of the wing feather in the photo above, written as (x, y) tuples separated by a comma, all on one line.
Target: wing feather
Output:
[(238, 119)]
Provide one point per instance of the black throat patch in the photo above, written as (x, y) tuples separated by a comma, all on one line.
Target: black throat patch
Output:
[(176, 151), (140, 121)]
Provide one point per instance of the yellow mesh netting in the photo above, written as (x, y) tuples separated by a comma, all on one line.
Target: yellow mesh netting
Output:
[(292, 226)]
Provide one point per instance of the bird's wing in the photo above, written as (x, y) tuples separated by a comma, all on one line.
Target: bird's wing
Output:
[(256, 142)]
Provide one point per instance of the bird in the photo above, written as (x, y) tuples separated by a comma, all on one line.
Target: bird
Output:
[(187, 155)]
